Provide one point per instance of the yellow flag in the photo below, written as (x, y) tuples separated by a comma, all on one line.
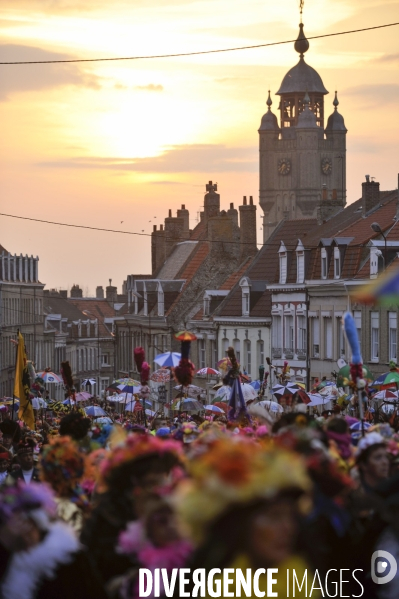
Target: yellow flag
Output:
[(22, 386)]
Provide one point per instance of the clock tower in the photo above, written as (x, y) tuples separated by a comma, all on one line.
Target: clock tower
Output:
[(302, 162)]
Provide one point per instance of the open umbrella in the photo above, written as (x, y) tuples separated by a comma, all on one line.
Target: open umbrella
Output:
[(88, 382), (206, 371), (387, 395), (116, 398), (95, 411), (185, 336), (248, 391), (168, 359), (222, 406), (49, 377), (129, 388), (135, 405), (287, 389), (188, 405), (213, 408), (359, 425), (224, 364), (344, 376), (38, 403), (223, 394), (389, 379), (271, 406), (256, 385), (162, 375), (316, 399), (83, 396), (191, 390), (127, 382)]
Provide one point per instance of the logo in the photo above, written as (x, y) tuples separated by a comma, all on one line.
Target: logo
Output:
[(383, 563)]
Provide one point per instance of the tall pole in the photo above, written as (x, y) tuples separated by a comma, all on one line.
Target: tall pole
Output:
[(15, 372)]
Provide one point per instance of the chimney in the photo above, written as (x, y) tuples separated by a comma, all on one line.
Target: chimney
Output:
[(157, 248), (76, 291), (370, 195), (248, 228), (154, 227), (233, 213), (111, 293), (99, 292), (328, 206), (251, 200), (63, 293), (211, 201), (185, 215)]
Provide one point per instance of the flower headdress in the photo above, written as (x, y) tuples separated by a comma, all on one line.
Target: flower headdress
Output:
[(24, 498), (62, 465), (135, 447), (234, 471)]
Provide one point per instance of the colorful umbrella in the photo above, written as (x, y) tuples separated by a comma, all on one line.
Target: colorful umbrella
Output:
[(358, 426), (83, 396), (387, 395), (88, 382), (127, 382), (188, 405), (129, 388), (49, 377), (389, 379), (271, 406), (316, 399), (205, 371), (168, 359), (213, 408), (95, 411), (190, 390), (222, 406), (185, 336), (223, 394), (287, 389), (224, 364), (162, 375), (344, 376), (383, 291), (248, 391)]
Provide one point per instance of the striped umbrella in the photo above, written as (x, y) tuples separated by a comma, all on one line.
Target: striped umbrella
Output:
[(168, 359), (287, 389), (162, 375), (389, 379), (49, 377), (205, 371)]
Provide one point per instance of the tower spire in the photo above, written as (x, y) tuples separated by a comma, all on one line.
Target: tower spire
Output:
[(301, 4), (269, 101), (335, 101)]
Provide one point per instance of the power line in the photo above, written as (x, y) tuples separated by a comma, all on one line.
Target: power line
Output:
[(179, 54)]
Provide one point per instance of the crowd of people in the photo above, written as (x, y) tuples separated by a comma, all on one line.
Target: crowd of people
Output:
[(83, 507)]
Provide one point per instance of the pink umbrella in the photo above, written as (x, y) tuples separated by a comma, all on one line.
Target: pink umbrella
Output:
[(204, 371), (83, 396)]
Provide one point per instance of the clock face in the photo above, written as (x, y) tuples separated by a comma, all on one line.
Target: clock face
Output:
[(326, 166), (284, 166)]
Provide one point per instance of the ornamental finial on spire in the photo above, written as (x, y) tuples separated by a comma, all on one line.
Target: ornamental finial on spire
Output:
[(269, 100), (301, 45), (335, 101)]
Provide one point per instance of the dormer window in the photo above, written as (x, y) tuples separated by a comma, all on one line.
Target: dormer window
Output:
[(300, 263), (245, 285), (207, 305), (324, 270), (337, 263), (283, 264), (161, 301)]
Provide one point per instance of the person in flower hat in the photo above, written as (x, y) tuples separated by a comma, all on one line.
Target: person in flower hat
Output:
[(241, 508), (372, 461), (138, 465), (62, 466)]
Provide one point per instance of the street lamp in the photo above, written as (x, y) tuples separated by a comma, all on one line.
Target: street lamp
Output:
[(377, 229)]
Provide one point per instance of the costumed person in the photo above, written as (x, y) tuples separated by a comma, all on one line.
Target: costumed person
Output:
[(340, 442), (76, 425), (372, 461), (153, 542), (26, 469), (5, 461), (134, 468), (144, 369), (62, 467), (238, 411), (241, 509), (41, 558), (11, 432)]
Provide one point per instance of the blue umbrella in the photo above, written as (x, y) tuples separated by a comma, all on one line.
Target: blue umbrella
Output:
[(358, 426), (95, 411), (168, 359), (256, 385), (129, 388)]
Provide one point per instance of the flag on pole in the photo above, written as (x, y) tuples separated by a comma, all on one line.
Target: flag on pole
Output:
[(22, 385)]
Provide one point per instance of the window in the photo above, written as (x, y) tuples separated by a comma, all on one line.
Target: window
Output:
[(324, 271), (393, 330), (248, 360), (328, 338), (375, 335), (105, 359), (283, 268), (340, 339), (300, 266), (277, 333), (225, 345), (337, 263), (316, 337), (161, 302), (201, 353), (289, 332), (245, 304), (357, 316), (104, 383), (213, 353), (301, 333), (261, 353), (207, 302)]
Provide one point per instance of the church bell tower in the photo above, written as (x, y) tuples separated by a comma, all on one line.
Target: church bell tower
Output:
[(300, 156)]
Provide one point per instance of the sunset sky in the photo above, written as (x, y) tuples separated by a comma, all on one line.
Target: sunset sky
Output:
[(100, 143)]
